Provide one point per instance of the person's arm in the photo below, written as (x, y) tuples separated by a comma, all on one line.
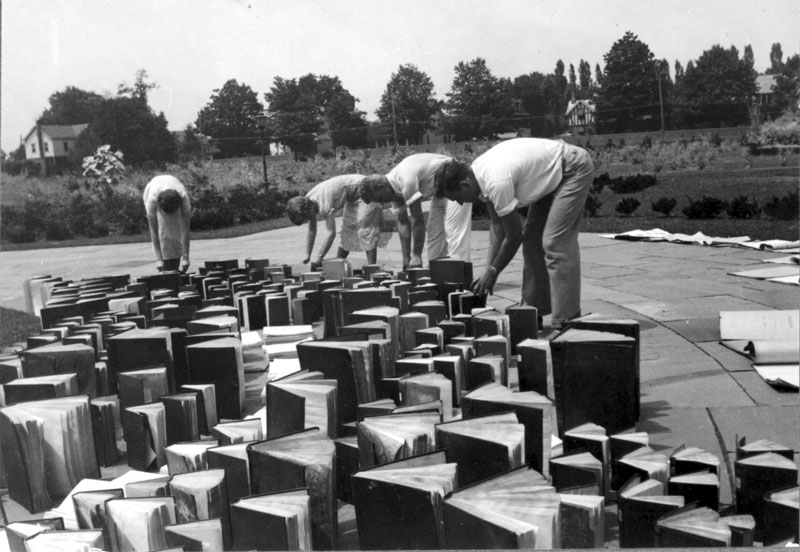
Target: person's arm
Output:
[(311, 237), (330, 225), (404, 231), (152, 223), (186, 221), (417, 234), (504, 240)]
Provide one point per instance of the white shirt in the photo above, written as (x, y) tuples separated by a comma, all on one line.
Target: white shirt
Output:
[(170, 225), (331, 194), (413, 177), (519, 172)]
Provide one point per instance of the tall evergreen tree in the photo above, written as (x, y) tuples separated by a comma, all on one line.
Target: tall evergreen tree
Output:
[(629, 95), (775, 59)]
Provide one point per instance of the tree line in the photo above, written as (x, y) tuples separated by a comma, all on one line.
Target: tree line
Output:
[(633, 91)]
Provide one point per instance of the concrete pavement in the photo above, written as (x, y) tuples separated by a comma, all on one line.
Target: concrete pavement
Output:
[(694, 390)]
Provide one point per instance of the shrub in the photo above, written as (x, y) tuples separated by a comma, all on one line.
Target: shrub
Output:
[(664, 205), (742, 207), (592, 205), (627, 205), (104, 166), (705, 208), (632, 184), (599, 182), (782, 208)]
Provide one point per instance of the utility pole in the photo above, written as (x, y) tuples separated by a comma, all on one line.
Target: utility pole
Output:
[(394, 120), (660, 97)]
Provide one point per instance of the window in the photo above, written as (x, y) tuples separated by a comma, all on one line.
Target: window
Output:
[(66, 147), (33, 147), (46, 147)]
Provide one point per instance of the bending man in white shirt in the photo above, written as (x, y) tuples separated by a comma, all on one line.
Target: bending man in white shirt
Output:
[(447, 233), (169, 214), (552, 179)]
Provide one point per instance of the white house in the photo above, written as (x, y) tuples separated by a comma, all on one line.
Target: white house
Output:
[(52, 145)]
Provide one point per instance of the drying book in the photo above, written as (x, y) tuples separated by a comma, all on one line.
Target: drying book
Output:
[(640, 504), (302, 400), (582, 521), (384, 439), (781, 515), (40, 387), (18, 531), (700, 487), (593, 439), (202, 495), (350, 364), (758, 475), (626, 442), (145, 430), (760, 446), (302, 459), (90, 508), (514, 510), (607, 360), (272, 521), (138, 523), (483, 446), (220, 361), (48, 447), (577, 472), (234, 460), (65, 541), (142, 386), (195, 535), (643, 461), (399, 505), (188, 457), (238, 431), (534, 411), (421, 389), (691, 526), (692, 459)]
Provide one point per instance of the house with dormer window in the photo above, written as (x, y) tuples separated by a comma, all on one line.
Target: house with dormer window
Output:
[(579, 117)]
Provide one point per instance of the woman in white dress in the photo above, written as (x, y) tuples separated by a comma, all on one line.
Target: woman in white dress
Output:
[(361, 221)]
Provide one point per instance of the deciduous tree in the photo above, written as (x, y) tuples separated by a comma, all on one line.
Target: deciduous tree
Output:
[(408, 102), (787, 86), (228, 118), (717, 89), (479, 104), (71, 106), (304, 108)]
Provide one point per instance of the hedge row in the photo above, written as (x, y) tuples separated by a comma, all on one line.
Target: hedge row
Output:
[(78, 209)]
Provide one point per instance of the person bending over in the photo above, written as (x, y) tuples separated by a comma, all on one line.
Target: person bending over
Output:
[(361, 221), (169, 214), (447, 232), (552, 179)]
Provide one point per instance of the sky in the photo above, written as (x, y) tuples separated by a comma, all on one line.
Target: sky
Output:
[(191, 47)]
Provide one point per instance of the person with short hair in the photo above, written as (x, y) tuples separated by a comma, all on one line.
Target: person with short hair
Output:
[(169, 214), (448, 230), (361, 220), (552, 179)]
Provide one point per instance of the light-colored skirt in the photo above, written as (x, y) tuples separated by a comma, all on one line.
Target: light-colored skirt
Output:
[(363, 227)]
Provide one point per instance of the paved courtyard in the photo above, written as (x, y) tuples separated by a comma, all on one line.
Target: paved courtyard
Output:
[(694, 391)]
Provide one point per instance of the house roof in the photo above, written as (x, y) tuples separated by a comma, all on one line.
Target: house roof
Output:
[(764, 83), (60, 132), (589, 104)]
